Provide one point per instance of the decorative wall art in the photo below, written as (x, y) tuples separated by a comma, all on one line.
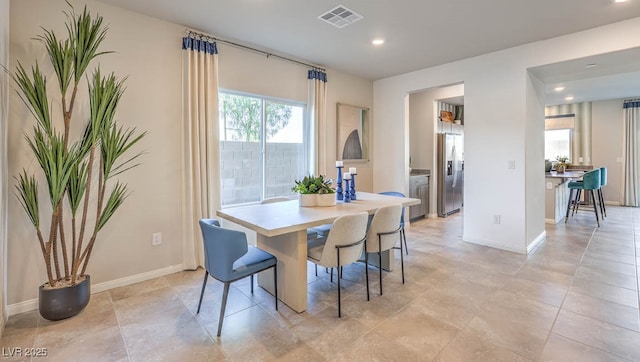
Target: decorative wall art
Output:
[(353, 132)]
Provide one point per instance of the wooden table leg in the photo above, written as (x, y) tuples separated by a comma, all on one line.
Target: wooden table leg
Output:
[(291, 252)]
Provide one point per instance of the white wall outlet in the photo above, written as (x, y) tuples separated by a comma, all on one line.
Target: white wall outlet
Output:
[(580, 159), (549, 185), (496, 219), (156, 239), (619, 160), (511, 164)]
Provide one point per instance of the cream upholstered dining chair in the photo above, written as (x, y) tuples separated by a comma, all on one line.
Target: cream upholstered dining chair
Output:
[(402, 232), (382, 235), (342, 245)]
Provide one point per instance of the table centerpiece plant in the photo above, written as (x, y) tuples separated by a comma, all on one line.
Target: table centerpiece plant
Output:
[(314, 191), (78, 154), (561, 166)]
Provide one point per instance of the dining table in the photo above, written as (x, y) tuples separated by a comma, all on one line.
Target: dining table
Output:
[(281, 229)]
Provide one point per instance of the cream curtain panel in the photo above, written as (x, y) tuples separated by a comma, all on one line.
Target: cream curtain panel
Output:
[(318, 111), (201, 152), (631, 166)]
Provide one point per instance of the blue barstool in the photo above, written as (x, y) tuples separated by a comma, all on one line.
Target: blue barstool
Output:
[(591, 182), (603, 182)]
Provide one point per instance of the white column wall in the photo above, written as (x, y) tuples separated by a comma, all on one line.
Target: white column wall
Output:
[(4, 114), (498, 92)]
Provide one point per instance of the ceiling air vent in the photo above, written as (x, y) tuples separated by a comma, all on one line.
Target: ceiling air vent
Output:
[(340, 16)]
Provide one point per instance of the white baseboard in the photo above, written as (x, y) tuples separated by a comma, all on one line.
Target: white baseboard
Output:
[(537, 241), (494, 244), (32, 304), (549, 221), (612, 203)]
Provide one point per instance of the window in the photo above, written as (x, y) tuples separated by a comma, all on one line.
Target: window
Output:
[(263, 147), (557, 142)]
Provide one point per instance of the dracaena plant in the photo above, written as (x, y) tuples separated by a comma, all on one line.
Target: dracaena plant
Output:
[(80, 173)]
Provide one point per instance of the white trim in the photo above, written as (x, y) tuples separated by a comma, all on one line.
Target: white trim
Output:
[(32, 304), (537, 241), (549, 221), (493, 244), (613, 203)]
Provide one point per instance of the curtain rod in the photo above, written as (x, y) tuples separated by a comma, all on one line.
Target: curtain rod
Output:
[(245, 47)]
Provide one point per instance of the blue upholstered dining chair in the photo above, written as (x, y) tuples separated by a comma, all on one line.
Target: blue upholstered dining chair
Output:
[(590, 182), (402, 234), (228, 257)]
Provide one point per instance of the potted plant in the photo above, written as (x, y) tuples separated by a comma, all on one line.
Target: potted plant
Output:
[(83, 193), (562, 163), (314, 191)]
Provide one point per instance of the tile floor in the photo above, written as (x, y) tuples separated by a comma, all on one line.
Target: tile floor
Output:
[(574, 299)]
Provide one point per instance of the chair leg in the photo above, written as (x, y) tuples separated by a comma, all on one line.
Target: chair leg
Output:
[(204, 284), (331, 278), (603, 208), (225, 294), (402, 262), (275, 283), (251, 283), (366, 268), (404, 237), (566, 216), (380, 260), (339, 306), (595, 208), (576, 201), (316, 269)]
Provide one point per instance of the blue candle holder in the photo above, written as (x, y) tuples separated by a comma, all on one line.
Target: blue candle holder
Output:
[(339, 183), (352, 191), (347, 194)]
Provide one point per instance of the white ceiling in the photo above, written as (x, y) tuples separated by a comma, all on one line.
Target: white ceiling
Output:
[(417, 33)]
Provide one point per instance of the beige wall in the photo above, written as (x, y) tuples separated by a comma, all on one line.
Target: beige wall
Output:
[(503, 112), (4, 105), (148, 52), (608, 134)]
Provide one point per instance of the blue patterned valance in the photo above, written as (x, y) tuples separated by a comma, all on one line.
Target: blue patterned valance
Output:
[(317, 74), (632, 103), (199, 45)]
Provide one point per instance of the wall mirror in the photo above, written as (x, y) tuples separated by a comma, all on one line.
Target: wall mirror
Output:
[(354, 133)]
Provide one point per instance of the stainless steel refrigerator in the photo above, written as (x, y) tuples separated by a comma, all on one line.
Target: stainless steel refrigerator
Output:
[(450, 173)]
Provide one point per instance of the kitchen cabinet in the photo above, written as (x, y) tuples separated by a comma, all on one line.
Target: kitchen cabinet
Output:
[(419, 189)]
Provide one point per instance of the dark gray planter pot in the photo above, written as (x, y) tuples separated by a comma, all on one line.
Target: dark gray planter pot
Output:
[(57, 304)]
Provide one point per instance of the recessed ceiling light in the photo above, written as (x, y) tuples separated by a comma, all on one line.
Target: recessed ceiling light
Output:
[(569, 98), (377, 41), (591, 65), (620, 1), (558, 89)]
